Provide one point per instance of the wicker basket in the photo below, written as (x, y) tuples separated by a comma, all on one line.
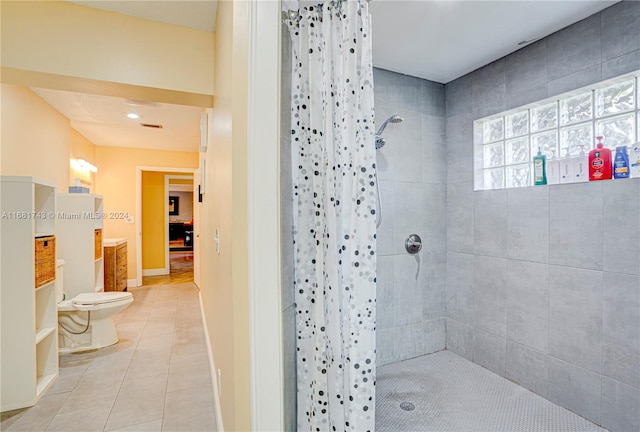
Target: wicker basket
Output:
[(98, 244), (45, 260)]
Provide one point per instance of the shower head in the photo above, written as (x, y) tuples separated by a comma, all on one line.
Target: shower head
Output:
[(380, 142)]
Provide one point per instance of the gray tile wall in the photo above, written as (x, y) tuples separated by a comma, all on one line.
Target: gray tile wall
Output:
[(412, 171), (543, 284)]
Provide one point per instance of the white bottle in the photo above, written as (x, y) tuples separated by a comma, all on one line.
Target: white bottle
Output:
[(553, 169), (581, 166), (634, 160), (566, 169)]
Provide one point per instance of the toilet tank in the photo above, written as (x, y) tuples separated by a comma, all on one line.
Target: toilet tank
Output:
[(59, 285)]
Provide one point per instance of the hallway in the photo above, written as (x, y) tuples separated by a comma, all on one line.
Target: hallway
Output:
[(157, 378), (181, 270)]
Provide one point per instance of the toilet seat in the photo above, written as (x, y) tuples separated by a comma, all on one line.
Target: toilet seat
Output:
[(93, 301), (99, 298)]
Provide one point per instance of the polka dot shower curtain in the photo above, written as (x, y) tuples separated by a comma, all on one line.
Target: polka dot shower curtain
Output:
[(333, 161)]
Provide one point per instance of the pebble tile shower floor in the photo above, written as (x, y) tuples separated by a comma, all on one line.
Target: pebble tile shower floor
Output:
[(156, 378), (452, 394)]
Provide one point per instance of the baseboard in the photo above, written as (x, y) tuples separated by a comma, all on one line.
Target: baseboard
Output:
[(155, 272), (214, 372), (132, 283)]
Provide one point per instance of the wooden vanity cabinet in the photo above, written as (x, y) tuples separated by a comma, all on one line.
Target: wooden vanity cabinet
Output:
[(115, 265)]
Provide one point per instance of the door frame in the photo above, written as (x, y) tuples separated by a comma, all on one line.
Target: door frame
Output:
[(139, 170), (264, 224)]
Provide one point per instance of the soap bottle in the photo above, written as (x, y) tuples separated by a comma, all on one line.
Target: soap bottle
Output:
[(566, 168), (600, 162), (539, 169), (580, 166), (553, 169), (634, 160), (621, 163)]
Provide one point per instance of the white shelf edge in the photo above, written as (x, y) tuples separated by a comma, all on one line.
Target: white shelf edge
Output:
[(42, 333), (44, 383), (44, 234), (45, 285), (27, 179)]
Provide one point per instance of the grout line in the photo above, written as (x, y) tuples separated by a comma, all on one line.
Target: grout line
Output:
[(113, 404)]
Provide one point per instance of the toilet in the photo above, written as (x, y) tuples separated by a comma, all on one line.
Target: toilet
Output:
[(85, 322)]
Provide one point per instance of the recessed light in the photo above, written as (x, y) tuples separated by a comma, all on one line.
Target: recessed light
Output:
[(133, 116)]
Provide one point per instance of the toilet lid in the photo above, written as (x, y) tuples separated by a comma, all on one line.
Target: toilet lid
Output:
[(100, 298)]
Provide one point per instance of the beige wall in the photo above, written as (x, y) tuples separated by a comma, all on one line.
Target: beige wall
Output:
[(224, 278), (153, 218), (67, 39), (34, 138), (117, 183)]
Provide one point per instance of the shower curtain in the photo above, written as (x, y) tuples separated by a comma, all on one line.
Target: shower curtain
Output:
[(334, 178)]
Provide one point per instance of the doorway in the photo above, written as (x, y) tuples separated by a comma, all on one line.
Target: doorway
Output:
[(180, 238), (165, 227)]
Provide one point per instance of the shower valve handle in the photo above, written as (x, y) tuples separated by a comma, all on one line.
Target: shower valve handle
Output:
[(413, 244)]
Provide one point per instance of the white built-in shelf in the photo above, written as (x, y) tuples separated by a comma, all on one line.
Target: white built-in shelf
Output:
[(27, 313), (44, 234), (45, 286), (42, 333), (75, 243), (44, 382)]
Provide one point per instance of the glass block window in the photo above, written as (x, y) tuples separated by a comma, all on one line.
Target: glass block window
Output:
[(518, 175), (494, 178), (576, 109), (562, 127), (546, 142), (517, 124), (576, 139), (617, 131), (493, 130), (615, 99), (544, 117), (494, 154), (517, 150)]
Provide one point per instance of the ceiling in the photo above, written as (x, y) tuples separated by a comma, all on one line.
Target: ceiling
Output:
[(103, 121), (196, 14), (436, 40), (444, 40)]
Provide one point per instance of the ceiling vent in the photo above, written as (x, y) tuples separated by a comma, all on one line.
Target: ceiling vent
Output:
[(152, 126), (138, 102)]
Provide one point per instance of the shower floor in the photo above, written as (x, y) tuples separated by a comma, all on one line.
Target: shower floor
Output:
[(453, 394)]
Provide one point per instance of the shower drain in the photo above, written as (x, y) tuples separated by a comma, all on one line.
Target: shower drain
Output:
[(407, 406)]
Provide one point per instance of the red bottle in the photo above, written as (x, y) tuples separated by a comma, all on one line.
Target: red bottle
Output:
[(600, 162)]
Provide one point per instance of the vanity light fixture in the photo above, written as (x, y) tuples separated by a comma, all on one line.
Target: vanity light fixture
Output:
[(83, 165)]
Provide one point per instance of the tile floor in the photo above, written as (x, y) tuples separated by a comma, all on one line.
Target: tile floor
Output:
[(452, 394), (157, 378), (181, 270)]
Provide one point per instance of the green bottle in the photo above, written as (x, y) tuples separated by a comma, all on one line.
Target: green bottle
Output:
[(539, 169)]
